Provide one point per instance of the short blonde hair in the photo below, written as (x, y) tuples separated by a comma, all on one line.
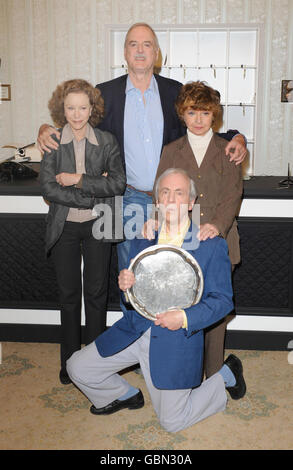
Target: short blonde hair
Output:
[(56, 102)]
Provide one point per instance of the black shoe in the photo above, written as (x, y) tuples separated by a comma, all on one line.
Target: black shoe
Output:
[(235, 365), (132, 403), (64, 377)]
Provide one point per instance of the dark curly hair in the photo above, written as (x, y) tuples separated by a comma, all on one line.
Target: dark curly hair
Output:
[(56, 102), (198, 96)]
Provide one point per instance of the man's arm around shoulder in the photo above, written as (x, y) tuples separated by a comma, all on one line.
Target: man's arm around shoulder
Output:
[(45, 140)]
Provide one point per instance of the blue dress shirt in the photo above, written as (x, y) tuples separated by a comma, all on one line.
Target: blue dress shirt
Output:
[(143, 135)]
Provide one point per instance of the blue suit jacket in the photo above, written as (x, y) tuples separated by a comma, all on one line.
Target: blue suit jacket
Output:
[(176, 357)]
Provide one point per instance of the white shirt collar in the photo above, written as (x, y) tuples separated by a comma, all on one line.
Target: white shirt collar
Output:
[(153, 86), (68, 136)]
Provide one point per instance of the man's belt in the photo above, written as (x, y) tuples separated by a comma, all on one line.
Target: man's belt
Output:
[(149, 193)]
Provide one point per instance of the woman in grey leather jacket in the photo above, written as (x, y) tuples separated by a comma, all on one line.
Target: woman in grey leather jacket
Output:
[(84, 170)]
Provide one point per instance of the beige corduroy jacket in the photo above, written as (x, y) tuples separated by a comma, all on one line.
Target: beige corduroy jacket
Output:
[(218, 183)]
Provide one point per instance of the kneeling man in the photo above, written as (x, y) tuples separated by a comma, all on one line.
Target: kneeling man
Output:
[(169, 349)]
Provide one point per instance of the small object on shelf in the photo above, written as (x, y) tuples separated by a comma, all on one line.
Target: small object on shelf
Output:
[(22, 153), (244, 71), (287, 182)]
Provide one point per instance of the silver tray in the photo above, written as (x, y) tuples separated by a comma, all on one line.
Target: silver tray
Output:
[(166, 278)]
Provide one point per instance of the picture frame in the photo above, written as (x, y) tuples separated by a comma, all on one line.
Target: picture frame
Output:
[(287, 91), (5, 92)]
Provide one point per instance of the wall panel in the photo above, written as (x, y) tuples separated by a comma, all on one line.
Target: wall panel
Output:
[(43, 42)]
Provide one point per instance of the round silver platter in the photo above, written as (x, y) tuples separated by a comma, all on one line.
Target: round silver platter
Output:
[(166, 278)]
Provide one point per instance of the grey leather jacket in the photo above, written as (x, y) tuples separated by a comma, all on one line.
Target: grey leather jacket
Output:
[(94, 189)]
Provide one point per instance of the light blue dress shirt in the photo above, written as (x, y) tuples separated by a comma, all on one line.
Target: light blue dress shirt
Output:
[(143, 135)]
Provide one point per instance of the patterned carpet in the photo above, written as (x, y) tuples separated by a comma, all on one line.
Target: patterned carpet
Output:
[(37, 412)]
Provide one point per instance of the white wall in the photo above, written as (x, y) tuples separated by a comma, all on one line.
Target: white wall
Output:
[(43, 42)]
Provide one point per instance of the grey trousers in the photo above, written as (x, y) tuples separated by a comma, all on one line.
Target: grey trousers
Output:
[(97, 377)]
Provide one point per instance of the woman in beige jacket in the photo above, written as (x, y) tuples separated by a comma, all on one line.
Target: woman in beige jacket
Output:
[(218, 183)]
